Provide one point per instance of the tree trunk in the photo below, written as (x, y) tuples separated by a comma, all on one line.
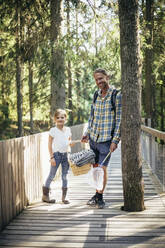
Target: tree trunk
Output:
[(95, 20), (162, 108), (133, 189), (78, 107), (4, 96), (19, 68), (149, 59), (30, 82), (69, 73), (57, 68)]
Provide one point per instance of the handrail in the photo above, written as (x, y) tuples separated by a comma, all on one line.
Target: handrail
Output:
[(154, 132), (153, 153)]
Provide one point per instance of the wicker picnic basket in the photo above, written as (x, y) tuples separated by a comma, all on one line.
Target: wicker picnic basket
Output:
[(80, 162), (79, 170)]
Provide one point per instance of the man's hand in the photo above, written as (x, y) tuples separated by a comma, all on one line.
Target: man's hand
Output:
[(85, 139), (113, 147)]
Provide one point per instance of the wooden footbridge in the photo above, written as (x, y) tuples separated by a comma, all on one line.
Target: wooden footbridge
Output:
[(77, 225)]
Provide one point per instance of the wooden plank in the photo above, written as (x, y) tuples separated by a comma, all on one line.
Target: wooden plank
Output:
[(5, 185), (39, 167), (22, 172), (36, 178), (25, 162), (29, 164), (109, 229), (29, 169), (10, 178), (1, 186), (26, 166), (71, 238), (81, 239), (14, 151), (131, 222), (16, 175), (65, 224), (87, 232), (115, 214), (112, 225), (20, 175), (85, 244), (31, 184), (35, 181), (37, 171)]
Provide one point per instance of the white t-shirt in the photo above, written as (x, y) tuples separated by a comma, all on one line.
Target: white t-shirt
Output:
[(60, 139)]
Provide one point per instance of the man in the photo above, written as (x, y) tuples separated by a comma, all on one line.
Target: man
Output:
[(103, 130)]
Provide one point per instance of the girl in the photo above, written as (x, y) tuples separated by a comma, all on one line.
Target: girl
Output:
[(58, 145)]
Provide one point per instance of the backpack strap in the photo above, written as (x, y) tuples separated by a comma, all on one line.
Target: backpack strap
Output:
[(92, 109), (95, 96), (113, 99)]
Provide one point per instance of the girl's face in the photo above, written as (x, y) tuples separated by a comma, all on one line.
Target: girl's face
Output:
[(101, 80), (60, 119)]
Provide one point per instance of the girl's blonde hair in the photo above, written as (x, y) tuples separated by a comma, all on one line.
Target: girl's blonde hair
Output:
[(60, 111)]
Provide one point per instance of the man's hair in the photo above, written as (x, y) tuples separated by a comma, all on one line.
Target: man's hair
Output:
[(60, 111), (100, 70)]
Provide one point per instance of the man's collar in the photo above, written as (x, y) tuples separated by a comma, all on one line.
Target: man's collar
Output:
[(108, 91)]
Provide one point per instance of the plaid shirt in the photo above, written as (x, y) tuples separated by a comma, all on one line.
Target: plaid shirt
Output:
[(105, 120)]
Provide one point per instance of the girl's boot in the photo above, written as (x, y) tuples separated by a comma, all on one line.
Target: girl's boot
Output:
[(45, 196), (64, 192)]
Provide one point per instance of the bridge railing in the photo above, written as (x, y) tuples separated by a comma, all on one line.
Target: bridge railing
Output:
[(153, 152), (24, 166)]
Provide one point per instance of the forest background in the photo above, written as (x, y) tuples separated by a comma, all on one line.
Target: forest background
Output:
[(49, 50)]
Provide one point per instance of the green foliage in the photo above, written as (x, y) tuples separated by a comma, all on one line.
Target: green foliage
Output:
[(157, 48), (93, 42)]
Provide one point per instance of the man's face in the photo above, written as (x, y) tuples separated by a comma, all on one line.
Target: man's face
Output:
[(101, 80)]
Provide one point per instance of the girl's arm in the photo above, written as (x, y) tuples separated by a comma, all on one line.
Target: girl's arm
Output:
[(50, 141), (71, 143)]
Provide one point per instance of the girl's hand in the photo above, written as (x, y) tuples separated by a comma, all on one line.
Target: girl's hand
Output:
[(72, 143), (53, 162)]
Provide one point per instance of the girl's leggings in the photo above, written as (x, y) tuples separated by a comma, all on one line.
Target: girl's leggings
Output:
[(60, 158)]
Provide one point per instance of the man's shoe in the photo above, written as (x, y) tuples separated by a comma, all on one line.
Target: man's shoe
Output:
[(92, 201), (100, 204)]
